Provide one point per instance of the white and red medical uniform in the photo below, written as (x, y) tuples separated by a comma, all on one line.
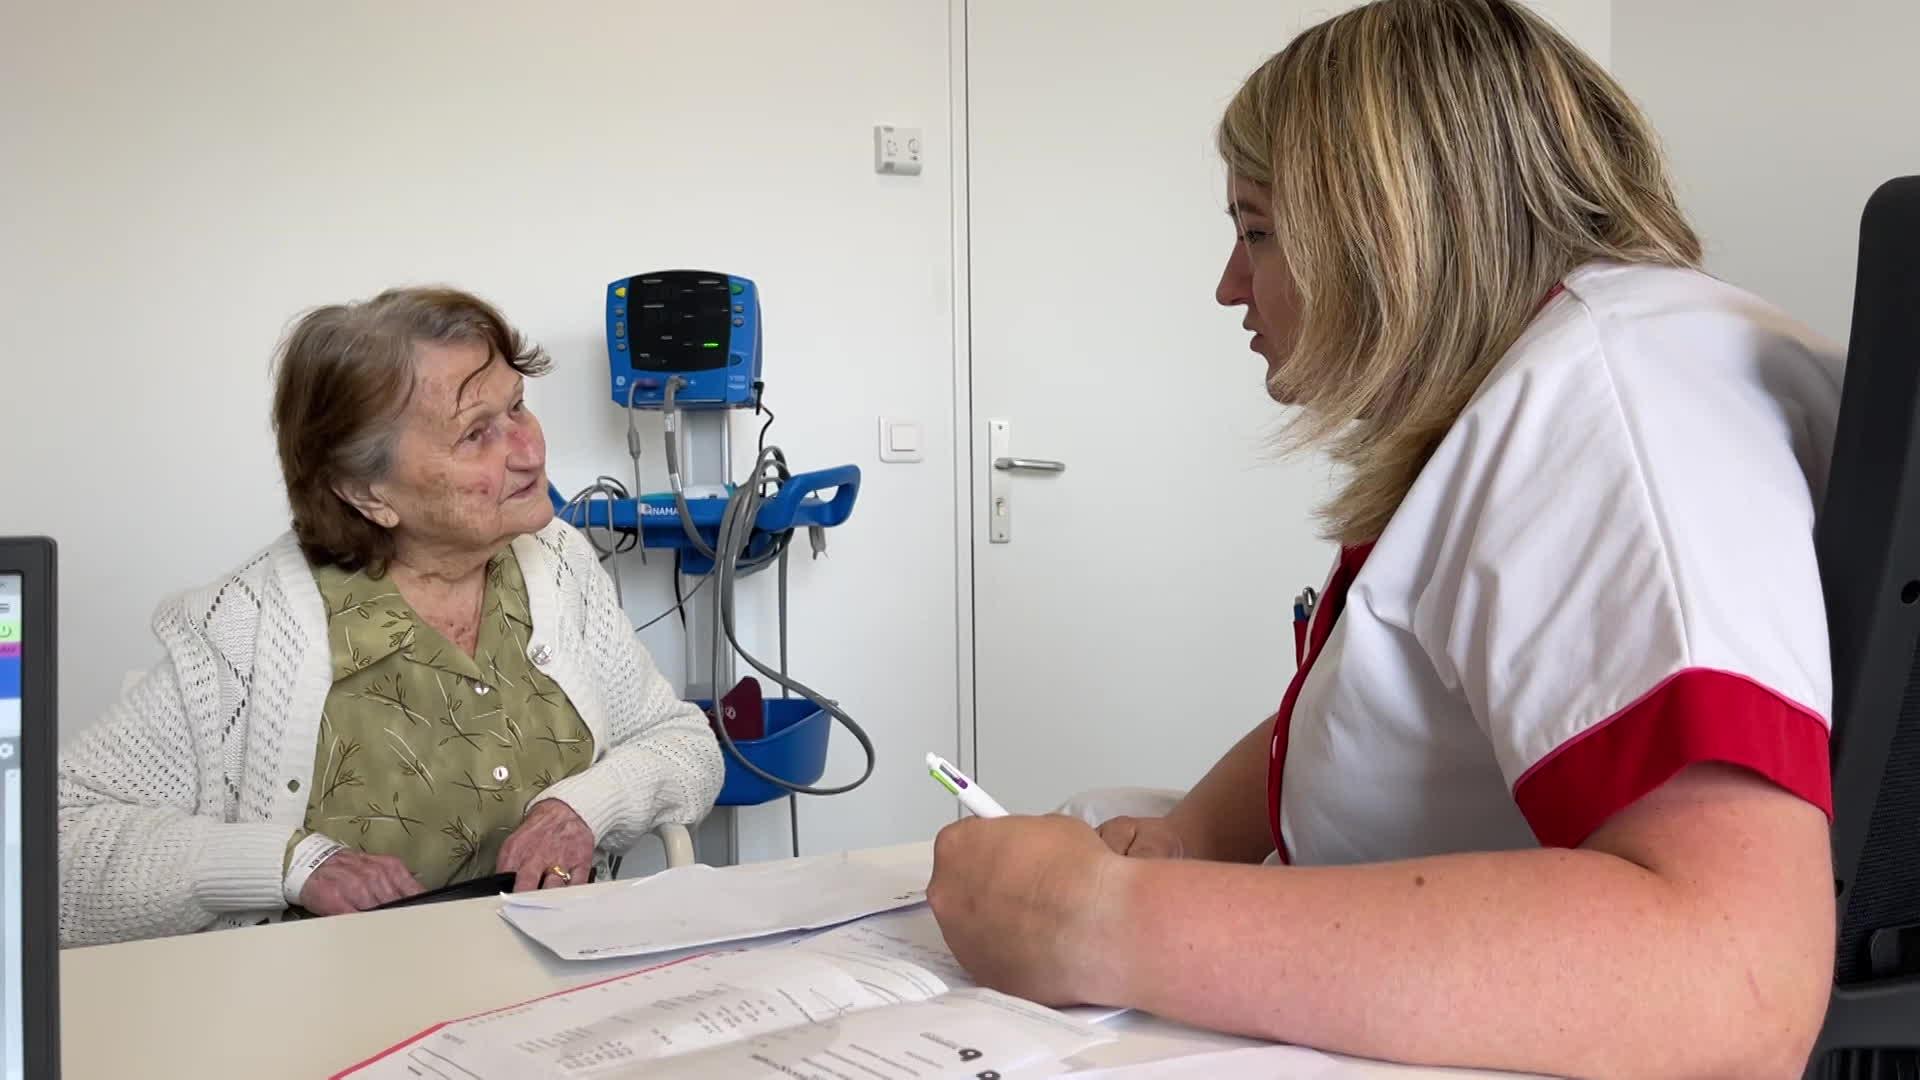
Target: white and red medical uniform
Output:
[(1605, 573)]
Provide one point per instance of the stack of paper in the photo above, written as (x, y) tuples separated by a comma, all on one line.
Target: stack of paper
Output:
[(880, 997), (815, 1009), (694, 906), (914, 937)]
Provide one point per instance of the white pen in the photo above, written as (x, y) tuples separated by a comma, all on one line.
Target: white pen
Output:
[(963, 788)]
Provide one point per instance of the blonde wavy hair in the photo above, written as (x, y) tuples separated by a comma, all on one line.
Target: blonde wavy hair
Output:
[(1435, 166)]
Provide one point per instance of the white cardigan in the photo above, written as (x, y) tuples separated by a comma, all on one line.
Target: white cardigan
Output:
[(176, 811)]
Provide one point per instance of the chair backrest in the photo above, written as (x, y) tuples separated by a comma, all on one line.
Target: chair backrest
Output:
[(1868, 542)]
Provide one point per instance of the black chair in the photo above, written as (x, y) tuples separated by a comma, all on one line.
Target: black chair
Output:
[(1868, 541)]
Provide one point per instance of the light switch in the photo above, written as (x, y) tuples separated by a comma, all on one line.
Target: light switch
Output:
[(899, 440)]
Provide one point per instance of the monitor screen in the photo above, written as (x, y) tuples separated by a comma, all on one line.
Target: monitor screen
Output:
[(682, 321), (11, 1003)]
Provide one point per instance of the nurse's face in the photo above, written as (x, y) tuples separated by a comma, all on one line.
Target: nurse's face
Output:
[(1257, 278)]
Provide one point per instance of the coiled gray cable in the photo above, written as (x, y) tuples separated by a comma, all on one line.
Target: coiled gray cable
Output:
[(735, 533)]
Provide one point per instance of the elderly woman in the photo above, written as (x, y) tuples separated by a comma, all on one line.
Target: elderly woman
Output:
[(427, 680)]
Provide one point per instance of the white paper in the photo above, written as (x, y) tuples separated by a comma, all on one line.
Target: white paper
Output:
[(957, 1036), (749, 1014), (1255, 1063), (913, 936), (696, 905)]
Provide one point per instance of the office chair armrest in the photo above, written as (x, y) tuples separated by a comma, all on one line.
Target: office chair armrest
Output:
[(678, 843)]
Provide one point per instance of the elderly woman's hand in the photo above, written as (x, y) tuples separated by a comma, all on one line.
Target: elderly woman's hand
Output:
[(354, 881), (551, 837)]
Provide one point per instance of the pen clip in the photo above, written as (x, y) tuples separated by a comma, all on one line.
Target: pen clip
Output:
[(1304, 603)]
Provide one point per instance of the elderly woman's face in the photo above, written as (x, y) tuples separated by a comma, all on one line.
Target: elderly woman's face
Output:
[(1257, 278), (470, 464)]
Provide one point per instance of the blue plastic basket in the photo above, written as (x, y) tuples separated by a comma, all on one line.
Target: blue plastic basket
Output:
[(794, 749)]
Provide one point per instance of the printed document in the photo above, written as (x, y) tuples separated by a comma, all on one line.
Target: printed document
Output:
[(812, 1010), (914, 936), (692, 906)]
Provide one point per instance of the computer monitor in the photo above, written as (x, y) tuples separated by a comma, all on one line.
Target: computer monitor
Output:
[(29, 866)]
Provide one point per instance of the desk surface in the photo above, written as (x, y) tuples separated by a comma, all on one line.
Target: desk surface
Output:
[(309, 998)]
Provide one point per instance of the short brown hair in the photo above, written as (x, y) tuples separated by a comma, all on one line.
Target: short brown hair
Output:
[(342, 378), (1435, 167)]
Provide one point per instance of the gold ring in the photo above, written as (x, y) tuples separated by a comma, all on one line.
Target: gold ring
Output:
[(561, 873)]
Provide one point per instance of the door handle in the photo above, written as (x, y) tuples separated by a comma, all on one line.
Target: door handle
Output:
[(1000, 480), (1023, 464)]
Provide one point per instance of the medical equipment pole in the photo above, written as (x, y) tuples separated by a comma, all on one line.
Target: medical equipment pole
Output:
[(705, 450)]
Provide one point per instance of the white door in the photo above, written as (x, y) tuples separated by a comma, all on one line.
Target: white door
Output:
[(1137, 618)]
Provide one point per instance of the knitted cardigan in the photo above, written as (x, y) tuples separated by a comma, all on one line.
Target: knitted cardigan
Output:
[(176, 811)]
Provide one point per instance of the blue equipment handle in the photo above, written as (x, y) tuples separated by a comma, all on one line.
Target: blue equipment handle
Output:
[(781, 511), (797, 505)]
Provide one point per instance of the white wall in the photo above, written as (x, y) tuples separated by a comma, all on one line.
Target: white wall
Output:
[(1780, 117), (1129, 209), (1588, 23), (182, 179)]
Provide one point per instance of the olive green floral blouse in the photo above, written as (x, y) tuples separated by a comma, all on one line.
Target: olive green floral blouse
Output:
[(425, 753)]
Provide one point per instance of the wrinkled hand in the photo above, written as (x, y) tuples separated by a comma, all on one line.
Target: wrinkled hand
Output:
[(1143, 838), (355, 881), (552, 835), (1024, 903)]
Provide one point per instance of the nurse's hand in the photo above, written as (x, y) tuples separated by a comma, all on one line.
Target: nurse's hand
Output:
[(1026, 904), (1143, 838)]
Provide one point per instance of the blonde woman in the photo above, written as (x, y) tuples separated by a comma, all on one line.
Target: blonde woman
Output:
[(1549, 790)]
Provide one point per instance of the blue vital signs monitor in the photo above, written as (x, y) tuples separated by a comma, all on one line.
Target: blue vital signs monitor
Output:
[(701, 326)]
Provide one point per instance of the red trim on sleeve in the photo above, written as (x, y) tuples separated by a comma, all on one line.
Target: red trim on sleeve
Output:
[(1697, 715)]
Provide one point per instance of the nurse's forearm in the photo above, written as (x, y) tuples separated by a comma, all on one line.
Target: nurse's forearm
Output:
[(1224, 817), (1566, 962)]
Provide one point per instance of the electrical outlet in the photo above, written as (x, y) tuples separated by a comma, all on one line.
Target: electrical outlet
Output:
[(896, 150)]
